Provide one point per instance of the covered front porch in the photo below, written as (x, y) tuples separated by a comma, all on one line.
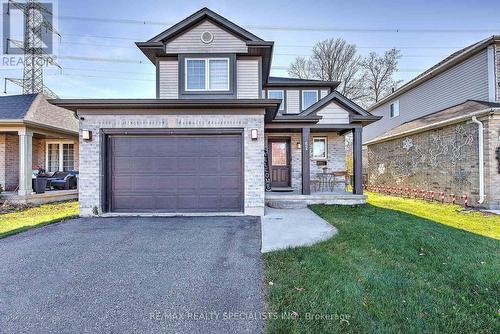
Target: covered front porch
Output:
[(308, 164), (27, 151)]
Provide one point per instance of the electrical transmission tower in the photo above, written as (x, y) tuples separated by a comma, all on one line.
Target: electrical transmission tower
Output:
[(35, 57)]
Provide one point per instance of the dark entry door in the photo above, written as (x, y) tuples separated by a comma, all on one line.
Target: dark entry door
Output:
[(279, 162), (176, 173)]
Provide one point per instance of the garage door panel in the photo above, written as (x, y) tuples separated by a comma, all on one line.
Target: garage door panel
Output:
[(188, 164), (209, 183), (122, 184), (185, 173), (210, 164), (230, 164), (230, 202), (165, 202), (133, 203), (166, 164), (227, 182)]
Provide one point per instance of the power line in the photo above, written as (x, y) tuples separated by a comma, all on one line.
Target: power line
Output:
[(277, 45), (289, 28), (101, 77), (274, 53), (105, 71)]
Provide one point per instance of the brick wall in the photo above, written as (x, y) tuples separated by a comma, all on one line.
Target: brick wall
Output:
[(89, 152), (335, 161), (38, 153), (492, 174), (444, 159), (9, 161)]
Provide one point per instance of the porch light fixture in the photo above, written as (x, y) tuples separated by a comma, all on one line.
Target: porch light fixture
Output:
[(86, 135), (299, 145), (254, 133)]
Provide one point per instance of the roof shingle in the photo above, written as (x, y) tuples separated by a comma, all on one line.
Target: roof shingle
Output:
[(15, 106)]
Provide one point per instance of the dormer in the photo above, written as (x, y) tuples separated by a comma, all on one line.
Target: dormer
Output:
[(207, 56)]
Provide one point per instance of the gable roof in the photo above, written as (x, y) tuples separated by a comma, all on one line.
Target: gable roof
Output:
[(15, 107), (440, 67), (199, 16), (155, 47), (295, 82), (457, 113), (356, 111)]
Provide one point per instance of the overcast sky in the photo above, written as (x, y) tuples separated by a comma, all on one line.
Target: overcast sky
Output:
[(105, 31)]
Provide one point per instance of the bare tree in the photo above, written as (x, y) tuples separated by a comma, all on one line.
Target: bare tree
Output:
[(301, 68), (364, 80), (379, 71), (332, 60)]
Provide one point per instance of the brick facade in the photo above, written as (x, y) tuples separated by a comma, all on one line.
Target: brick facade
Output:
[(90, 152), (9, 161), (444, 159), (335, 156), (9, 158), (491, 162)]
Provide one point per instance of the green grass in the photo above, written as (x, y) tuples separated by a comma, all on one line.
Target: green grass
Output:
[(447, 214), (394, 267), (25, 219)]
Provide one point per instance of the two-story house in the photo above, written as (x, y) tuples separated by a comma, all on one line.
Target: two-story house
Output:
[(440, 131), (200, 146)]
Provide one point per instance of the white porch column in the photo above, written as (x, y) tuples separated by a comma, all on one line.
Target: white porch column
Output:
[(25, 161)]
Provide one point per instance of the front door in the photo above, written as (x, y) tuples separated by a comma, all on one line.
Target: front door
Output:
[(279, 162)]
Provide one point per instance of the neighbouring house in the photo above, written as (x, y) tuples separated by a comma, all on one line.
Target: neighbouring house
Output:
[(34, 135), (200, 146), (440, 132)]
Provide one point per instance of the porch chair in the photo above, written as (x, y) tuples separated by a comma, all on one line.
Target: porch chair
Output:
[(341, 177)]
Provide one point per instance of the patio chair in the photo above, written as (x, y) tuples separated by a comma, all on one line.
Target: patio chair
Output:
[(341, 177), (64, 180)]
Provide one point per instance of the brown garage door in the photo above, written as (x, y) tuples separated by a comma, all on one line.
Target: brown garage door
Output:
[(175, 173)]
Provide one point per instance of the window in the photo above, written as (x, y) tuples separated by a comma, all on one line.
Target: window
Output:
[(207, 74), (277, 94), (319, 148), (394, 108), (52, 157), (309, 97), (279, 154), (60, 157)]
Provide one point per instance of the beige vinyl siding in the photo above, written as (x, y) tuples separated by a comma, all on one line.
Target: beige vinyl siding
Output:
[(323, 93), (467, 80), (190, 41), (332, 113), (168, 79), (247, 79), (292, 101)]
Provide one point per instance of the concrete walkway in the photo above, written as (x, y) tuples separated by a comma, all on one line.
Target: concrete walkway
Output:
[(285, 228)]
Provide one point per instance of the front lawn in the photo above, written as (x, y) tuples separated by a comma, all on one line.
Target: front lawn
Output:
[(24, 219), (394, 267)]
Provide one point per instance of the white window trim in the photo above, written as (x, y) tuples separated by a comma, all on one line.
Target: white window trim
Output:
[(393, 103), (207, 75), (61, 153), (282, 105), (308, 91), (326, 148)]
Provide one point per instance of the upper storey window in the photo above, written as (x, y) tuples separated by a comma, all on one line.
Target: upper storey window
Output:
[(309, 97), (207, 74), (277, 94), (394, 108)]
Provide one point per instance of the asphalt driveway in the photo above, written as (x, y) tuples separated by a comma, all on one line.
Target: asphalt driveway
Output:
[(170, 275)]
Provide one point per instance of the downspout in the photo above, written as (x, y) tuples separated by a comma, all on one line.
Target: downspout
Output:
[(481, 159)]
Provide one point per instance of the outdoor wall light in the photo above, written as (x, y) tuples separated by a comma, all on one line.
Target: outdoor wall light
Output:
[(254, 133), (299, 145), (86, 135)]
